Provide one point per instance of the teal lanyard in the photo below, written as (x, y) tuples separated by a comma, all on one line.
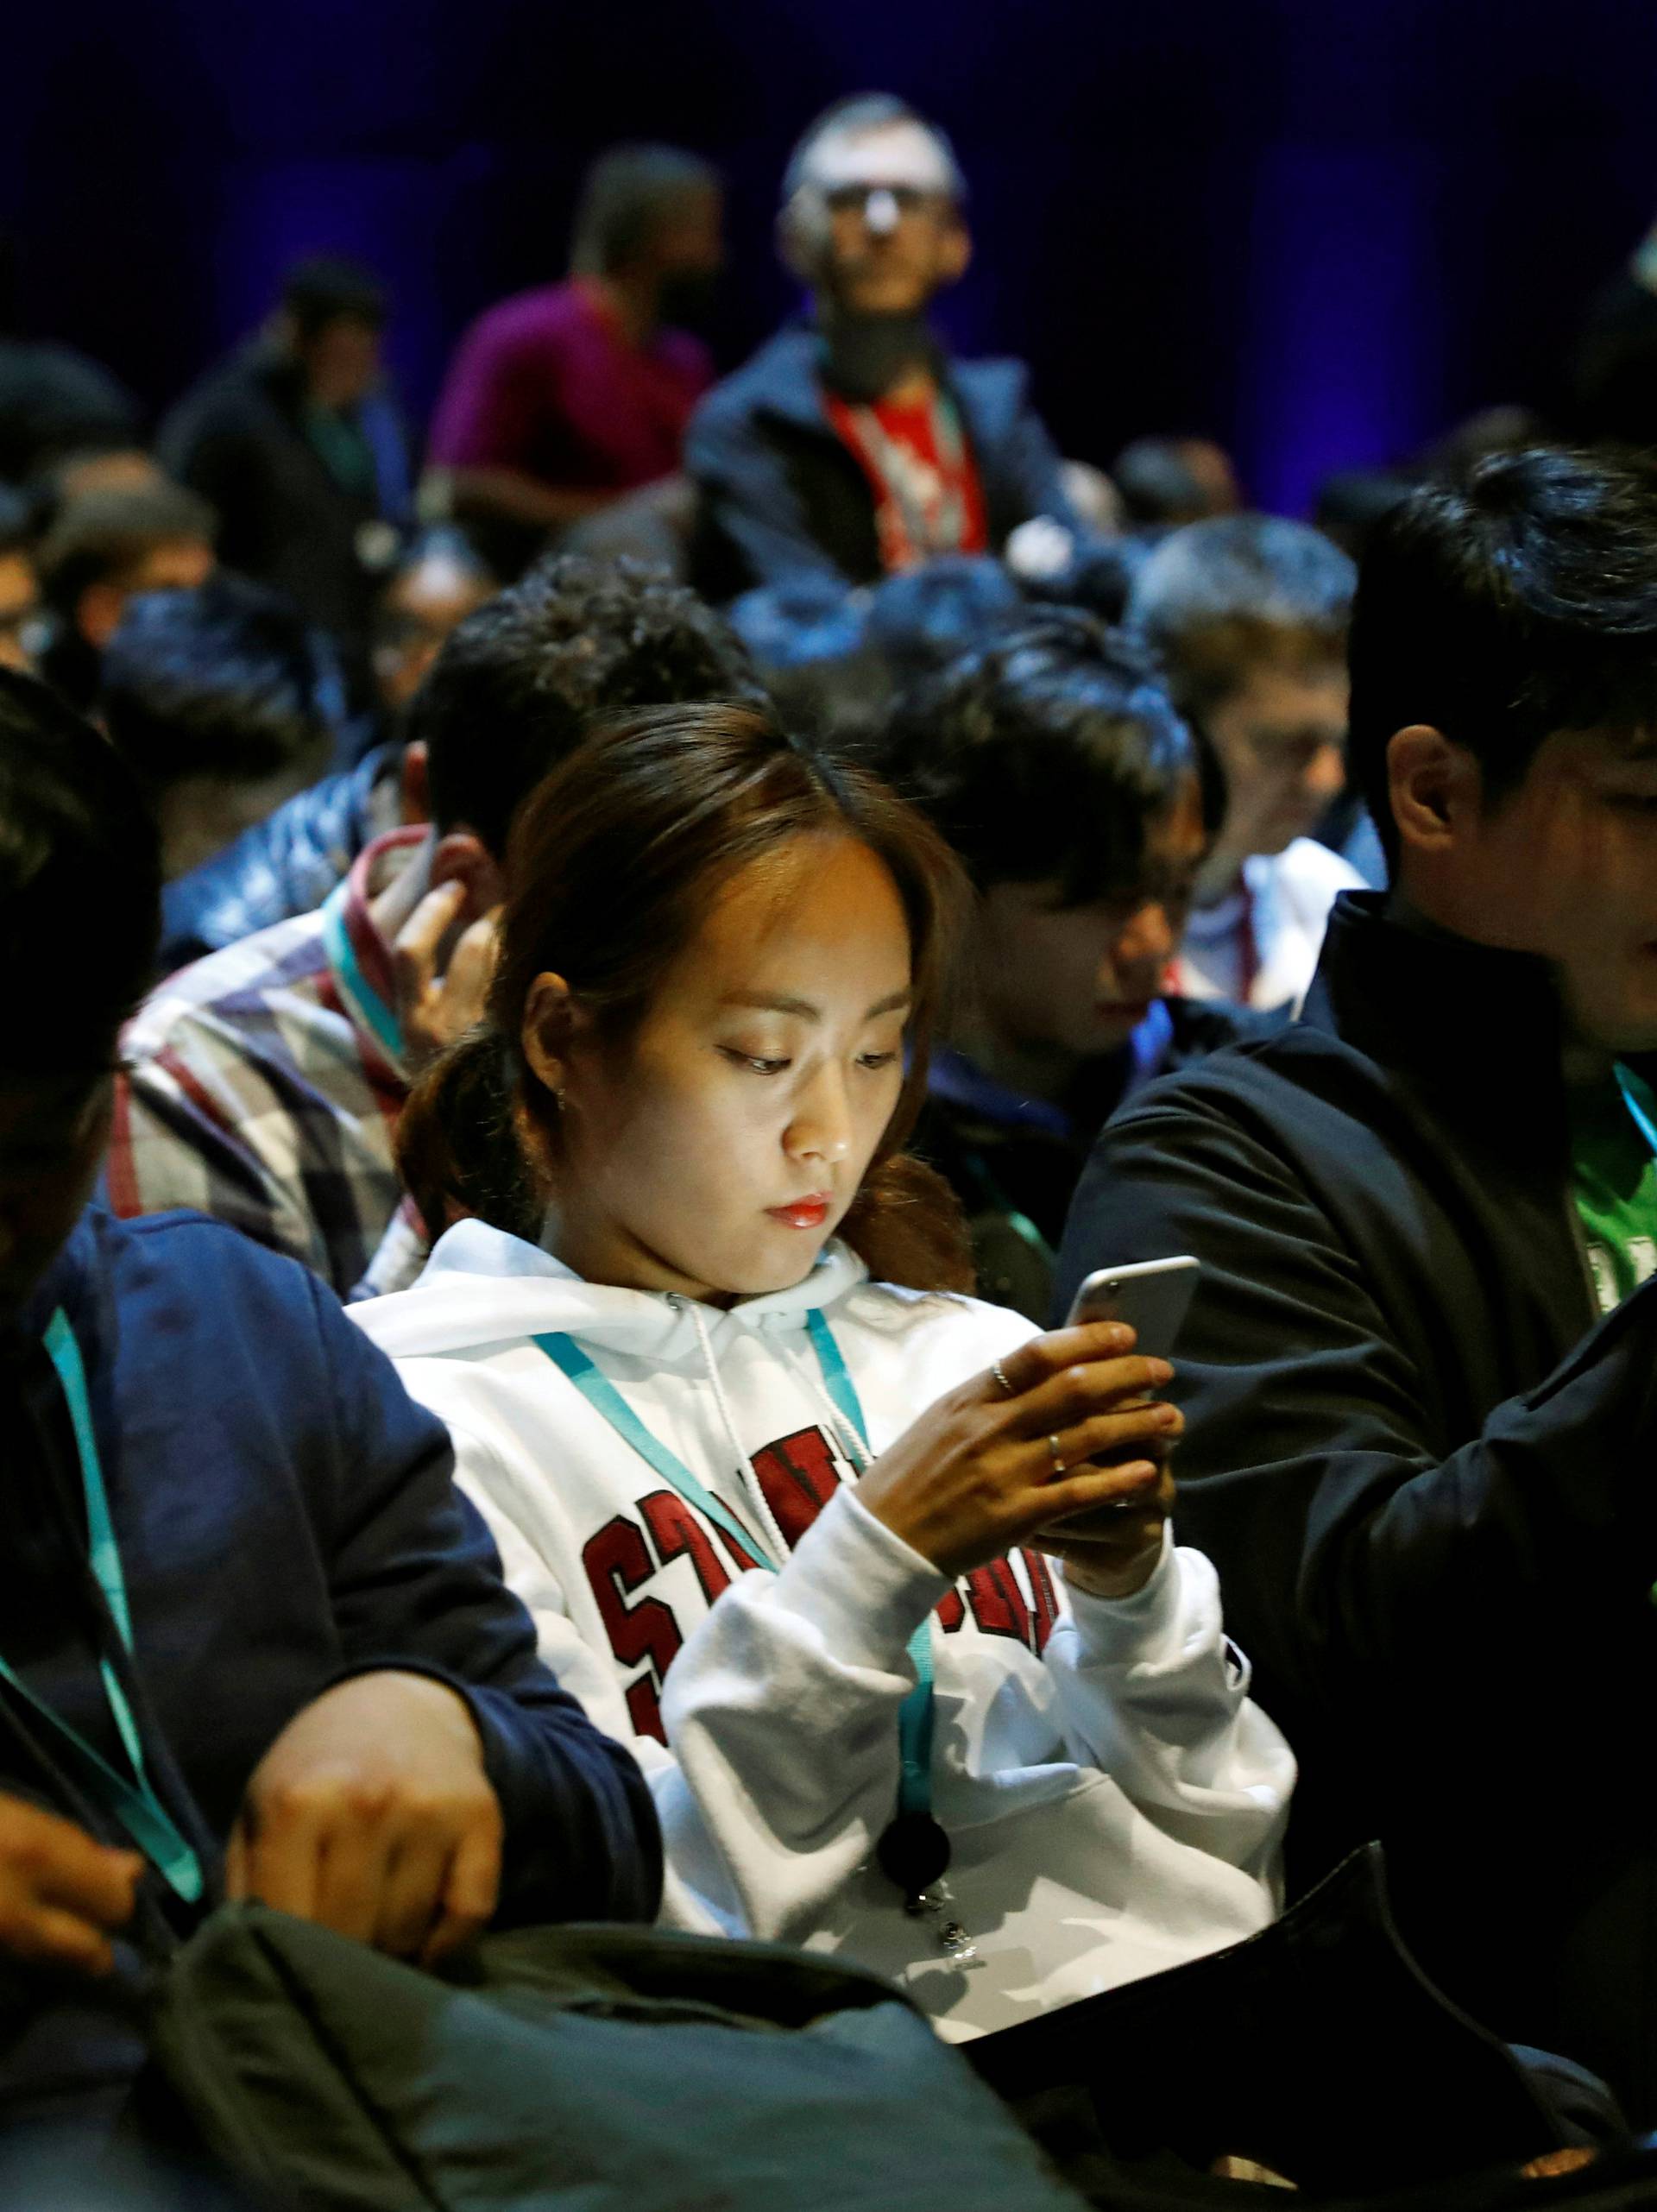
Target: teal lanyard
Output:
[(914, 1717), (341, 958), (1630, 1086), (134, 1801)]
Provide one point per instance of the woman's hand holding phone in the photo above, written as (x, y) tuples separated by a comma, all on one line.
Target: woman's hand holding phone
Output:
[(1064, 1428)]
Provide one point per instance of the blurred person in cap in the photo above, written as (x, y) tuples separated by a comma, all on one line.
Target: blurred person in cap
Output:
[(562, 399), (103, 547), (302, 453), (852, 443)]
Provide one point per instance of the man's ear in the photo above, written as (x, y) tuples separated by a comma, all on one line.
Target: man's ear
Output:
[(415, 787), (98, 613), (955, 253), (1436, 786), (462, 857), (798, 247)]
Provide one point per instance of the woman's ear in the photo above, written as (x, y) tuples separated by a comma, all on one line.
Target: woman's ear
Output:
[(552, 1020)]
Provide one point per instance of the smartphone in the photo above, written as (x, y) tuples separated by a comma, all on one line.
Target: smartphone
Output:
[(1151, 1297)]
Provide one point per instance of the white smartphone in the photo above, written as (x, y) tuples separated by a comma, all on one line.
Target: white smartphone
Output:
[(1151, 1297)]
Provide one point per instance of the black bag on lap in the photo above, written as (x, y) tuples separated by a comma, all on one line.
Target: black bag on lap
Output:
[(1317, 2049)]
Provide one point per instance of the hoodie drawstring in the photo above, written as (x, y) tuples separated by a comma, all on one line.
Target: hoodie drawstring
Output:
[(752, 1487)]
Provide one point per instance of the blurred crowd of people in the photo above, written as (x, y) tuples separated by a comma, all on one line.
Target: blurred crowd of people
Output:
[(657, 939)]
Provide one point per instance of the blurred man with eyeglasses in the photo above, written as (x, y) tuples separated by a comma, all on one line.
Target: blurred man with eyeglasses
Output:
[(851, 444)]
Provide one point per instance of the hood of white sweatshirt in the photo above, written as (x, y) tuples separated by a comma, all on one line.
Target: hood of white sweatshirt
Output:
[(482, 1286)]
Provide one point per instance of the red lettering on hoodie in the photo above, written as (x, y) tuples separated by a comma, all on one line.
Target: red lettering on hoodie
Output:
[(618, 1561)]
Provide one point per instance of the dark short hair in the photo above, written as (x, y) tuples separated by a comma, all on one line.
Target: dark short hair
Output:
[(79, 886), (516, 684), (328, 288), (923, 618), (1047, 755), (100, 537), (1216, 598), (1158, 483), (625, 197), (227, 681), (854, 116), (1520, 601)]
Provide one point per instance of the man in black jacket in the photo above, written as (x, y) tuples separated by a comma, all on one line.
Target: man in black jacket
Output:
[(852, 445), (296, 444), (1419, 1375)]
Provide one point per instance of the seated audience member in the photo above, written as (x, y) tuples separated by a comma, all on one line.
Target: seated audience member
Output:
[(291, 1609), (560, 400), (1249, 615), (696, 1236), (288, 864), (1164, 482), (220, 700), (1421, 1377), (300, 450), (20, 595), (114, 468), (102, 548), (855, 444), (1057, 767), (264, 1083)]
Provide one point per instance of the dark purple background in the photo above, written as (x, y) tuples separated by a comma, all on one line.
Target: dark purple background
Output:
[(1318, 229)]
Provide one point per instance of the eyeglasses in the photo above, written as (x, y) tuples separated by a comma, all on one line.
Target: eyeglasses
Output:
[(908, 199)]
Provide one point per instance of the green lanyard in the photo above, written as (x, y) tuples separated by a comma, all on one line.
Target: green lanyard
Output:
[(133, 1801), (914, 1849)]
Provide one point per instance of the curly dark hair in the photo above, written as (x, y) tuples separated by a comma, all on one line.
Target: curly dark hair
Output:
[(517, 684)]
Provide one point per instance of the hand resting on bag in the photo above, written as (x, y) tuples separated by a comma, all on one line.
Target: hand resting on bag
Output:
[(371, 1814)]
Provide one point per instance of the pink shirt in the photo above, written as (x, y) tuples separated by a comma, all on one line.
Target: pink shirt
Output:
[(546, 383)]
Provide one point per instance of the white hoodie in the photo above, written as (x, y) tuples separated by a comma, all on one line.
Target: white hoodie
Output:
[(1114, 1802)]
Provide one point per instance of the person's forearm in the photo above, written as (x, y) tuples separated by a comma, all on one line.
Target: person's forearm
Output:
[(507, 494)]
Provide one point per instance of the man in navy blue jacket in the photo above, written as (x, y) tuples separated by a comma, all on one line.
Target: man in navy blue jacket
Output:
[(252, 1640), (1419, 1375), (854, 446)]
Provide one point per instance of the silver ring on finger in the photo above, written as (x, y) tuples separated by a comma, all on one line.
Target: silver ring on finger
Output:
[(1000, 1375), (1057, 1456)]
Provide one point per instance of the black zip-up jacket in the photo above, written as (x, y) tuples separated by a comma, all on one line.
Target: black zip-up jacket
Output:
[(778, 491), (1425, 1469)]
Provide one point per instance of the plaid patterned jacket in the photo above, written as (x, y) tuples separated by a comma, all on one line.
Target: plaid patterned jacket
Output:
[(263, 1086)]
